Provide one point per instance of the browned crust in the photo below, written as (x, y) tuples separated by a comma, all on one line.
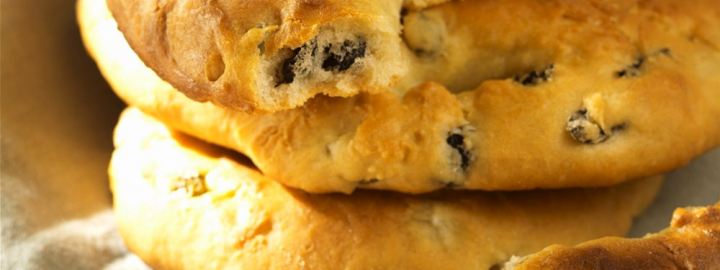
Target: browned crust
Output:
[(181, 40), (147, 36), (691, 242), (516, 135), (183, 204)]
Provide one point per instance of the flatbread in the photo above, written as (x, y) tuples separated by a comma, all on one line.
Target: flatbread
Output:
[(183, 204)]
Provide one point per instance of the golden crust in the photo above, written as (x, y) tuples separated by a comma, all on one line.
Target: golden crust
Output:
[(515, 137), (183, 204), (232, 52), (238, 53), (691, 242)]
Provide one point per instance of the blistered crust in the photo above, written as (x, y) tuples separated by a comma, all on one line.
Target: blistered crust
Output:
[(691, 242), (624, 105), (183, 204)]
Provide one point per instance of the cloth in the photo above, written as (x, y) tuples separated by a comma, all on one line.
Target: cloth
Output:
[(87, 243)]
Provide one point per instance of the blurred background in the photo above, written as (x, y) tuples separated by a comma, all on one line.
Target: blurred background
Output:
[(57, 115)]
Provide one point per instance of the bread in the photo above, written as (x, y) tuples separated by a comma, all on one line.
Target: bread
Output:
[(269, 54), (691, 242), (183, 204), (276, 54), (598, 121)]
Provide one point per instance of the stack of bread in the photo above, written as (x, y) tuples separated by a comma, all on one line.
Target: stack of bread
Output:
[(415, 134)]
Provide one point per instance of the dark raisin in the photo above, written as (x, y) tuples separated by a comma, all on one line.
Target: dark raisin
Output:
[(295, 64), (633, 69), (457, 142), (343, 57), (535, 77), (286, 73)]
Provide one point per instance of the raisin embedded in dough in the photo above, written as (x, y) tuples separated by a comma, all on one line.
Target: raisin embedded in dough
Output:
[(340, 57), (457, 142)]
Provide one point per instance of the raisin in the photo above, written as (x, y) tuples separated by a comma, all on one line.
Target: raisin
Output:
[(535, 77), (457, 142), (301, 61), (633, 69), (295, 65), (342, 57), (287, 68), (584, 130)]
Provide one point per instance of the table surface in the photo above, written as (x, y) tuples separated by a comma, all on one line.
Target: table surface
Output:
[(58, 115)]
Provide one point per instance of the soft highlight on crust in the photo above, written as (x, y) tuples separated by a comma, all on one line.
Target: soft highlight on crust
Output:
[(691, 242), (184, 204)]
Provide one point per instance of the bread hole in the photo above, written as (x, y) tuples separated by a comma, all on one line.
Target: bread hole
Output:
[(214, 67)]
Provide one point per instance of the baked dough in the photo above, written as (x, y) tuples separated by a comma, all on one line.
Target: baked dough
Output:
[(270, 54), (276, 54), (691, 242), (183, 204), (504, 136)]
